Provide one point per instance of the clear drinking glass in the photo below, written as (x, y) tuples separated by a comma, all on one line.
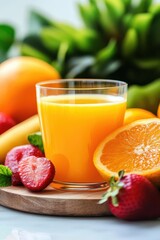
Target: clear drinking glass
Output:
[(75, 116)]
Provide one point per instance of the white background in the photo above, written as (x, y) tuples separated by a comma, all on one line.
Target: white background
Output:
[(15, 12)]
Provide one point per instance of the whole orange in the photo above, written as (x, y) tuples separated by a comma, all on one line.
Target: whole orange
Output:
[(133, 114), (18, 76)]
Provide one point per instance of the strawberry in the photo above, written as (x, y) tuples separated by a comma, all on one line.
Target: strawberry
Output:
[(15, 155), (6, 122), (36, 173), (132, 197)]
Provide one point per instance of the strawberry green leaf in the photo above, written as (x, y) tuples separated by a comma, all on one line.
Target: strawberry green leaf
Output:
[(5, 176), (36, 140), (113, 191), (103, 200), (121, 174)]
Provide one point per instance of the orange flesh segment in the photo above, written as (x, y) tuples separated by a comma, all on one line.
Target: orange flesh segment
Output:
[(134, 149)]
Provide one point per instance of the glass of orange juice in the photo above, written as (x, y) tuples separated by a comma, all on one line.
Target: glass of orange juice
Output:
[(75, 116)]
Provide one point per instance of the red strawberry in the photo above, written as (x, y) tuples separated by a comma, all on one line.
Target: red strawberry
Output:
[(15, 155), (36, 173), (6, 122), (132, 197)]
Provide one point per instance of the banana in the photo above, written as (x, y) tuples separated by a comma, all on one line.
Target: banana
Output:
[(17, 135)]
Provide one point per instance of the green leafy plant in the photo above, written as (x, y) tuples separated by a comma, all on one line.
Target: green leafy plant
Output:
[(120, 39), (7, 38)]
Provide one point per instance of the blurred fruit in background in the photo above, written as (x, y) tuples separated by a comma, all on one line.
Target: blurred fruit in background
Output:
[(146, 97), (118, 40), (18, 77), (133, 114), (6, 122)]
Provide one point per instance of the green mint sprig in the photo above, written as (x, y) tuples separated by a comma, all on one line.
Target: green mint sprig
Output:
[(5, 176)]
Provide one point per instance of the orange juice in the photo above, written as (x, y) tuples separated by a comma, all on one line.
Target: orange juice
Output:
[(74, 126)]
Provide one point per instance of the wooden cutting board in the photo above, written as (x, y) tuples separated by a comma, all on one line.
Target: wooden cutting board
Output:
[(53, 202)]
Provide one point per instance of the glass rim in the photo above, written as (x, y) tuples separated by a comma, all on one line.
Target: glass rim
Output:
[(43, 84)]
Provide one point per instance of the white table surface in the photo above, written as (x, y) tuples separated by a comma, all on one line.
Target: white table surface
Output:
[(15, 225)]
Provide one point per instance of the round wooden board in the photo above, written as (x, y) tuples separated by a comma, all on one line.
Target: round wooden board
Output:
[(53, 202)]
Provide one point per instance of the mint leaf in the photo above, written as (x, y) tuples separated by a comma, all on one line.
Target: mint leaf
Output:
[(5, 176), (36, 140)]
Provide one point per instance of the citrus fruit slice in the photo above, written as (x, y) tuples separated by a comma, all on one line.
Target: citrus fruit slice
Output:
[(133, 114), (134, 148)]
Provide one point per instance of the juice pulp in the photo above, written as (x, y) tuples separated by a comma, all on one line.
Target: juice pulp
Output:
[(72, 127)]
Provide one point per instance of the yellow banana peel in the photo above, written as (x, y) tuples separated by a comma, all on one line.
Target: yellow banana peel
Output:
[(17, 135)]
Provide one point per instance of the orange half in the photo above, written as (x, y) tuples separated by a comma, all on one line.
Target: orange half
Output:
[(134, 148)]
